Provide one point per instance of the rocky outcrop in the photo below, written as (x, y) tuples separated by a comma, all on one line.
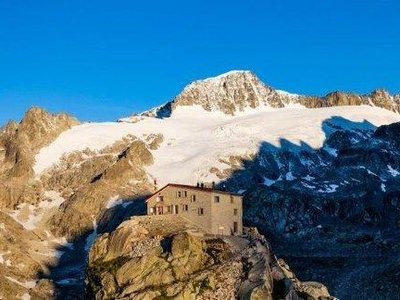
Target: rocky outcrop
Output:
[(21, 141), (161, 256), (17, 258), (18, 145), (123, 178), (230, 93), (343, 197)]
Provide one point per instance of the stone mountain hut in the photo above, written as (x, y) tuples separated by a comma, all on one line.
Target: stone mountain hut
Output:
[(215, 211)]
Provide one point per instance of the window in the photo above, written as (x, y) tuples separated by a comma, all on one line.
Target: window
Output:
[(179, 194), (169, 209), (185, 207), (235, 212), (193, 198), (231, 199), (216, 199), (235, 227), (185, 194), (200, 211), (176, 209), (160, 198)]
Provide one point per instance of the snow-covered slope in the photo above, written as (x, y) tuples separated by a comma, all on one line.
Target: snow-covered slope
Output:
[(195, 140)]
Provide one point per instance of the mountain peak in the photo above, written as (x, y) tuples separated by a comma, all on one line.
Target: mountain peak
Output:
[(238, 90), (230, 92), (232, 73)]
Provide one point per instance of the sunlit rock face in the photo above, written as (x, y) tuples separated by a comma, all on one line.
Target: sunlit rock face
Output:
[(166, 256), (319, 175)]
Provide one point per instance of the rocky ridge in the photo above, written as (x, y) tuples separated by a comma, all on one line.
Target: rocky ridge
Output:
[(18, 145), (343, 197), (236, 91), (159, 256)]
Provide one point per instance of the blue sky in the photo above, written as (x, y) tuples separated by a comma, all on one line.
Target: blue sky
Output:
[(101, 60)]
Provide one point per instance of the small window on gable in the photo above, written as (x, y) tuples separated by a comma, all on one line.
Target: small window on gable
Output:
[(160, 198), (193, 199), (200, 211), (232, 199), (179, 194), (216, 199)]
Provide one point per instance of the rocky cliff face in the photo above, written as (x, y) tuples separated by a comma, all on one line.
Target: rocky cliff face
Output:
[(18, 145), (343, 197), (235, 91), (159, 256), (123, 177)]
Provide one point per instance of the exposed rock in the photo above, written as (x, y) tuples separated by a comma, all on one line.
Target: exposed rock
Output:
[(17, 261), (323, 207), (181, 262), (92, 198), (19, 143), (235, 91)]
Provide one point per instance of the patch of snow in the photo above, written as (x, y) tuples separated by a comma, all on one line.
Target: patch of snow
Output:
[(199, 138), (268, 182), (372, 173), (28, 221), (356, 180), (223, 75), (287, 94), (27, 284), (241, 192), (289, 176), (54, 199), (308, 185), (2, 261), (354, 141), (383, 187), (331, 151), (392, 171), (67, 281), (64, 243), (331, 188), (29, 215), (115, 201), (308, 178), (26, 296), (306, 162), (91, 237)]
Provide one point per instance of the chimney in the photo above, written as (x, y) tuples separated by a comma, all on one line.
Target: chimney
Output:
[(198, 184), (213, 185), (202, 185)]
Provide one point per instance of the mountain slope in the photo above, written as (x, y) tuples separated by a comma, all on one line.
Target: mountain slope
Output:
[(236, 91), (195, 141), (305, 165)]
